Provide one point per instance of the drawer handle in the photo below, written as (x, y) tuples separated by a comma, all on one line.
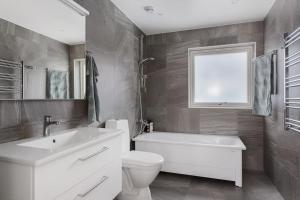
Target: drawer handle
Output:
[(94, 154), (104, 178)]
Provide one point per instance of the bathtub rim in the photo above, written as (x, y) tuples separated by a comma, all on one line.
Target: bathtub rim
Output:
[(241, 145)]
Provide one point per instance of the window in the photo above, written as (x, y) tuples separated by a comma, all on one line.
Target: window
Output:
[(79, 78), (221, 76)]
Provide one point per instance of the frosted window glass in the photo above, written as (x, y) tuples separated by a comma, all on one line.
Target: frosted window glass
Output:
[(221, 78)]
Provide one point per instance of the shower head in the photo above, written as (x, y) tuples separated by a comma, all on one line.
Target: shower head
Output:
[(146, 60)]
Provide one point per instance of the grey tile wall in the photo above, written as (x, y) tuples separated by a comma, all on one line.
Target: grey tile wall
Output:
[(282, 148), (114, 42), (24, 119), (166, 100), (21, 44)]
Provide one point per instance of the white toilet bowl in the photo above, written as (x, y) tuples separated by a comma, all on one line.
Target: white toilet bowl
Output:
[(139, 171), (139, 168)]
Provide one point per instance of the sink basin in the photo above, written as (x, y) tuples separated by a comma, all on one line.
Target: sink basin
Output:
[(37, 151), (53, 142)]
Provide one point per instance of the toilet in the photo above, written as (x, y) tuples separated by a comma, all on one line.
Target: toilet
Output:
[(139, 168)]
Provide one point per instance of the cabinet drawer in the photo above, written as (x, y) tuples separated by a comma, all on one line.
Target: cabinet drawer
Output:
[(103, 185), (56, 177)]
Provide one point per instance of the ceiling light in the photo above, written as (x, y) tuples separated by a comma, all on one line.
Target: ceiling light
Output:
[(235, 1), (152, 11), (149, 9)]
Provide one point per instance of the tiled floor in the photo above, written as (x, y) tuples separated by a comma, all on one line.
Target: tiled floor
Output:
[(179, 187)]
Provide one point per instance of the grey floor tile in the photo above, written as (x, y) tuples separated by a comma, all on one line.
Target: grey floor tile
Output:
[(172, 180), (199, 194), (256, 186), (168, 193)]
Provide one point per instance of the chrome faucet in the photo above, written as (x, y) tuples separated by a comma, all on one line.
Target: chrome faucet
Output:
[(47, 123)]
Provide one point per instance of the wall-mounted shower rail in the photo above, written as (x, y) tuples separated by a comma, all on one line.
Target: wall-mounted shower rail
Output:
[(291, 59), (11, 76)]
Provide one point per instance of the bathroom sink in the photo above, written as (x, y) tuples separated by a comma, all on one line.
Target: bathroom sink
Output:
[(65, 139), (53, 142), (40, 150), (65, 165)]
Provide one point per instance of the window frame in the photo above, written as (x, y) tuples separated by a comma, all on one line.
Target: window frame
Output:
[(250, 48), (82, 73)]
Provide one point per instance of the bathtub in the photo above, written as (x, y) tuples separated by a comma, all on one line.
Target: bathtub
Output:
[(211, 156)]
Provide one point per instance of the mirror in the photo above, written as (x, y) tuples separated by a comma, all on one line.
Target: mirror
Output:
[(42, 50)]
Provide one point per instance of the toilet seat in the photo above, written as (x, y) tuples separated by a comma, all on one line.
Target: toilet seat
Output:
[(136, 159)]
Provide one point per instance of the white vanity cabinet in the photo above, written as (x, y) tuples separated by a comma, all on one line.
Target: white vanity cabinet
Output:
[(90, 173)]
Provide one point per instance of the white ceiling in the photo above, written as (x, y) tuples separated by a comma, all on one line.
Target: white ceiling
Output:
[(51, 18), (177, 15)]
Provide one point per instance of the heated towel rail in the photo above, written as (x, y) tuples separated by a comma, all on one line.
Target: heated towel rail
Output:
[(11, 80), (292, 81)]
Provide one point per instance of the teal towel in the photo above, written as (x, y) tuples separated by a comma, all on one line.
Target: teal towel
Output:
[(92, 92), (262, 104), (57, 84)]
